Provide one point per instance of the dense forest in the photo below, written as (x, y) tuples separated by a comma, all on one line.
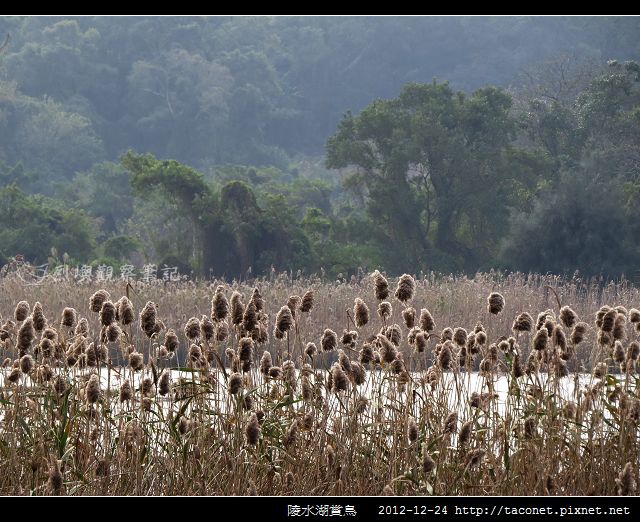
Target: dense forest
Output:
[(224, 145)]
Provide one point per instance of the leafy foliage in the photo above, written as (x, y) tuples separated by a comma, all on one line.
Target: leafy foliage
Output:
[(226, 118)]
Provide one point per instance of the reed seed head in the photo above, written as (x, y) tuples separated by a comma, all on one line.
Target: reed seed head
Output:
[(618, 352), (192, 329), (474, 457), (284, 319), (600, 370), (310, 350), (126, 393), (409, 317), (250, 317), (275, 372), (626, 482), (358, 373), (220, 305), (366, 353), (307, 302), (523, 323), (82, 328), (349, 337), (381, 286), (633, 351), (245, 350), (460, 336), (426, 321), (516, 367), (26, 334), (619, 332), (69, 317), (55, 480), (164, 383), (235, 383), (293, 303), (329, 340), (495, 303), (237, 308), (148, 319), (93, 389), (290, 437), (387, 350), (385, 310), (394, 334), (540, 339), (568, 317), (608, 320), (252, 431), (360, 313), (26, 364), (428, 464), (446, 335), (265, 363), (136, 361), (289, 374), (339, 378), (126, 314), (451, 423), (21, 311), (97, 299), (406, 287), (113, 332), (39, 320), (222, 331), (14, 375), (578, 333), (559, 338), (445, 357)]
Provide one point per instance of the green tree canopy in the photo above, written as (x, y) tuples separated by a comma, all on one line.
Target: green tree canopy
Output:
[(32, 225), (435, 166)]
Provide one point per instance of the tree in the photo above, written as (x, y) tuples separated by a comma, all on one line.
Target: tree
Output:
[(105, 192), (179, 104), (230, 231), (427, 159), (585, 217), (573, 227), (32, 225)]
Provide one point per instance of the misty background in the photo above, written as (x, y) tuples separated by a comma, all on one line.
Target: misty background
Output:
[(228, 144)]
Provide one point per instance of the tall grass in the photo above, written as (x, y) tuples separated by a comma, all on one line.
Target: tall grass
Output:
[(492, 385)]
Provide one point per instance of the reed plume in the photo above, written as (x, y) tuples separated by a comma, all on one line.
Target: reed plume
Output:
[(97, 299), (220, 305), (252, 431), (495, 303), (21, 311), (39, 320), (329, 340), (307, 302), (406, 287), (69, 317), (381, 286), (360, 313), (626, 483)]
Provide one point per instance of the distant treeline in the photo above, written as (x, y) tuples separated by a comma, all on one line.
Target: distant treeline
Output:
[(197, 142)]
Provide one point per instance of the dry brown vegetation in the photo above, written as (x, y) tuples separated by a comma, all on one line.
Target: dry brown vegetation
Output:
[(439, 385)]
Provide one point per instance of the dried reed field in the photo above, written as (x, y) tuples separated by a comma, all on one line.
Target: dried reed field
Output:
[(432, 385)]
